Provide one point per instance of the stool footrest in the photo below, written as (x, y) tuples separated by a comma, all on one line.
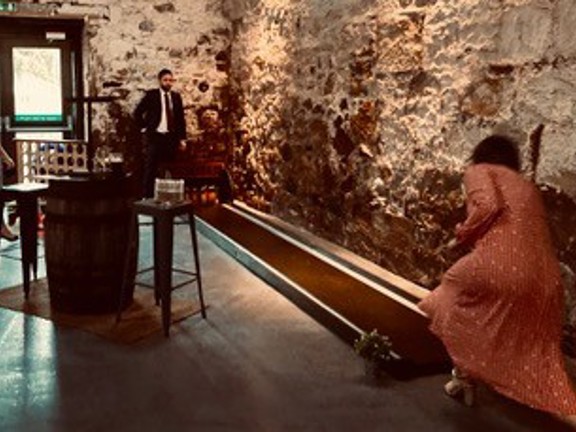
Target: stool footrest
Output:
[(144, 285), (178, 285), (174, 270), (145, 270), (186, 282)]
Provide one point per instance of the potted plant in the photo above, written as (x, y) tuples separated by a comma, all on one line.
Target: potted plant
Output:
[(375, 349)]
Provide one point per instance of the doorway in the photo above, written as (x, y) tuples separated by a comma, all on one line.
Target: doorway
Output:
[(40, 80)]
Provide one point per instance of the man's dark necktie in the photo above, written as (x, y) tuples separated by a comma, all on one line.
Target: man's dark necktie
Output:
[(169, 113)]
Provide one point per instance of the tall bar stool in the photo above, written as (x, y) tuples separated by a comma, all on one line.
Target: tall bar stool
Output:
[(163, 215), (26, 196)]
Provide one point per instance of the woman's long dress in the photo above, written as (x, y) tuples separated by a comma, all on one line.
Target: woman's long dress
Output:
[(499, 309)]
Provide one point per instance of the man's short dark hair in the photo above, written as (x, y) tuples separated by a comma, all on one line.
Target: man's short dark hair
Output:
[(164, 72), (499, 150)]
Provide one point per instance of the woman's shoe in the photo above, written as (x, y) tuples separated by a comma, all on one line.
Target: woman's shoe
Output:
[(461, 387)]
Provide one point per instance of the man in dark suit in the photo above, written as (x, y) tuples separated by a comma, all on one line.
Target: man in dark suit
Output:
[(160, 115)]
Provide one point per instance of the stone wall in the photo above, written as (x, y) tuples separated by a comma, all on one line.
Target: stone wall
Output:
[(127, 42), (142, 37), (354, 118)]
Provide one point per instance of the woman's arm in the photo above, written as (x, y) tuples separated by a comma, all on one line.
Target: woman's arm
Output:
[(484, 204)]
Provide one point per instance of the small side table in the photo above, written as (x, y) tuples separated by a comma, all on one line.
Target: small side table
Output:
[(26, 196), (163, 215)]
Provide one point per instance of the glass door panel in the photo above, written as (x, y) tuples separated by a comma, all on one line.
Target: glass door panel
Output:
[(38, 93)]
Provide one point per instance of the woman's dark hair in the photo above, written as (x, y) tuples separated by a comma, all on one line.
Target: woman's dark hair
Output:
[(499, 150)]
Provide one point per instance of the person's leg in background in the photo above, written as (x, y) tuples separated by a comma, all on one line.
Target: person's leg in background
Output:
[(167, 153), (150, 159), (5, 232)]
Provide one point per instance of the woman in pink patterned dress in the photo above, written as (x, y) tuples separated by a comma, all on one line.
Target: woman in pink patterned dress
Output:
[(499, 309)]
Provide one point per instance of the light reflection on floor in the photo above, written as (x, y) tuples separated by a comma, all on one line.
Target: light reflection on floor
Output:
[(257, 363)]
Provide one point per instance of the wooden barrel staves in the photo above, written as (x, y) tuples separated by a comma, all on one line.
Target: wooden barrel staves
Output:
[(87, 227)]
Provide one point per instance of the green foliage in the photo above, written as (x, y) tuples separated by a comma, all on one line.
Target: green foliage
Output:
[(374, 346)]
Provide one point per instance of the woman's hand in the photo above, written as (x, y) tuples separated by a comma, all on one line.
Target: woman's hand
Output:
[(452, 244), (448, 249)]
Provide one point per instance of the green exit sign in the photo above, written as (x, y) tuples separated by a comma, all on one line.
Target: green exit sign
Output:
[(7, 7), (38, 118)]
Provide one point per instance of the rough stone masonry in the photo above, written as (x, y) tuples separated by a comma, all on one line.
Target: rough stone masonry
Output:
[(354, 118)]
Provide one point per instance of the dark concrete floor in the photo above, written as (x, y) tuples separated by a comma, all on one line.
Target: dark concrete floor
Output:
[(256, 364)]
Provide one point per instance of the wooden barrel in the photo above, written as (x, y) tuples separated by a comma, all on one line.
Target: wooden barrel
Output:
[(86, 243)]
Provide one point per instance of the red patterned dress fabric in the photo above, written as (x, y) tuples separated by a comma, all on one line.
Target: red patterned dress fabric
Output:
[(499, 309)]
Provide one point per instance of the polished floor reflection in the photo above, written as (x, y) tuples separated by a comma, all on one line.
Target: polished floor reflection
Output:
[(256, 364)]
